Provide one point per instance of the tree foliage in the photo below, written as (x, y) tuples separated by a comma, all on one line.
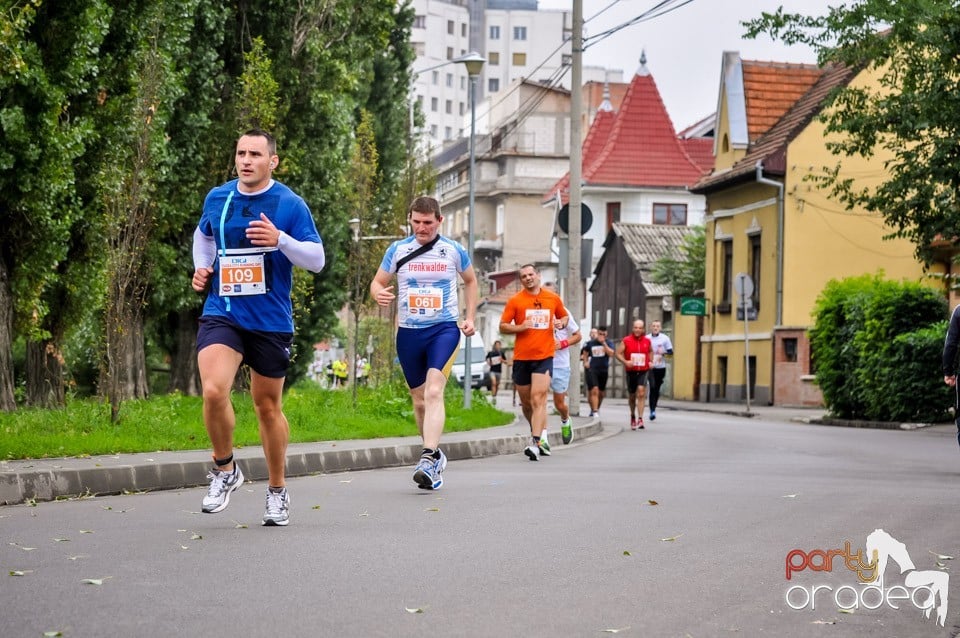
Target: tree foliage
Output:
[(684, 271), (912, 113), (150, 113), (874, 350)]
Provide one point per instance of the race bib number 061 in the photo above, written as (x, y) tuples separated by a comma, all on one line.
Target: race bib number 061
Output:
[(425, 301)]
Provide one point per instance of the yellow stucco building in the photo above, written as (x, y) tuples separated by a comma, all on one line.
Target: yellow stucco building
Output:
[(768, 220)]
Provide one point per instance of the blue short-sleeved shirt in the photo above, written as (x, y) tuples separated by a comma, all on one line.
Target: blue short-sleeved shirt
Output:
[(427, 285), (227, 213)]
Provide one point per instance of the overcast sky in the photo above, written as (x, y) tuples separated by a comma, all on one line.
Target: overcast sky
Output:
[(685, 46)]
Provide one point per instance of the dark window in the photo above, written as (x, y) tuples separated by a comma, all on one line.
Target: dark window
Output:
[(721, 377), (670, 214), (790, 349), (726, 272), (755, 261), (613, 214)]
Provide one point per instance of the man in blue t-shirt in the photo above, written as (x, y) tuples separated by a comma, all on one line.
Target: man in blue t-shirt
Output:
[(252, 232)]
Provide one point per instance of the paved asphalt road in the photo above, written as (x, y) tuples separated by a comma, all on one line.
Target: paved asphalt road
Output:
[(568, 546)]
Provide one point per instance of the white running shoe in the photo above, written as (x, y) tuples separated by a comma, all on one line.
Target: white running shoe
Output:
[(222, 484), (278, 508)]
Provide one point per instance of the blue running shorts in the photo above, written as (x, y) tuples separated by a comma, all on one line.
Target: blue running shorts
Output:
[(267, 353), (560, 380), (420, 349)]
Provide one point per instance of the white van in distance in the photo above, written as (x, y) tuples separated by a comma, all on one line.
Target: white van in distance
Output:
[(478, 365)]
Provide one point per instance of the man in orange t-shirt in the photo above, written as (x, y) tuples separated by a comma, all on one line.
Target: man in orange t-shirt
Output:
[(530, 315)]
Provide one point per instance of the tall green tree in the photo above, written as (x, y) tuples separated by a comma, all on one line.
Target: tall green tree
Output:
[(913, 47), (201, 132), (49, 61), (148, 42)]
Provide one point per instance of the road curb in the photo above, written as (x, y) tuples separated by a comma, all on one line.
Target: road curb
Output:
[(48, 484)]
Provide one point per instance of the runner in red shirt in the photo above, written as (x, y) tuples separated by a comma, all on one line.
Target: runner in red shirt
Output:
[(636, 354)]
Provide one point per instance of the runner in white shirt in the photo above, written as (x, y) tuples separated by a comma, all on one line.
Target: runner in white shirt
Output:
[(662, 348), (565, 336), (426, 266)]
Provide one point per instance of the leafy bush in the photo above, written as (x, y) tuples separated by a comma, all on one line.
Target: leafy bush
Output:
[(877, 347), (838, 317), (917, 391)]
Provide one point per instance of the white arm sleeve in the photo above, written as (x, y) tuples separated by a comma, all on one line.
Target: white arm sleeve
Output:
[(306, 254), (204, 250)]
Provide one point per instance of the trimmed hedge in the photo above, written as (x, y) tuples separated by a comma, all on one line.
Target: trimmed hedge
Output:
[(876, 350)]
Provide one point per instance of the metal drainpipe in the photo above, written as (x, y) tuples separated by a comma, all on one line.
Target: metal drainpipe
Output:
[(779, 186)]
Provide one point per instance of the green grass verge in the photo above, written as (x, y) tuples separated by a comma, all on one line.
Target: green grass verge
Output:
[(175, 422)]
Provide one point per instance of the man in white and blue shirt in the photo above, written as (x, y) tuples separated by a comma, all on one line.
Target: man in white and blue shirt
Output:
[(426, 266)]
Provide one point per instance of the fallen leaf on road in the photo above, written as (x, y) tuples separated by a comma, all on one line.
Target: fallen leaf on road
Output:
[(20, 572), (240, 525), (62, 540), (627, 553), (615, 631), (941, 556), (315, 507), (76, 557), (652, 503), (670, 539), (196, 537), (416, 610), (824, 622), (844, 610), (95, 581), (86, 531), (789, 496), (52, 634), (432, 509), (346, 481)]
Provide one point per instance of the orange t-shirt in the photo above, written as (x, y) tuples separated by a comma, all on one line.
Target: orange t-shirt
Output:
[(534, 343)]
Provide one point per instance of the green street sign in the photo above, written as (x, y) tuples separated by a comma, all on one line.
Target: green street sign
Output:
[(693, 306)]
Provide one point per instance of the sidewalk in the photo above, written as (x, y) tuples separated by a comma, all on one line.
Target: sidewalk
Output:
[(56, 478), (51, 479)]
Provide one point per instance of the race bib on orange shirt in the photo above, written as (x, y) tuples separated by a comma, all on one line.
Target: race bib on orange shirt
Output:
[(540, 318)]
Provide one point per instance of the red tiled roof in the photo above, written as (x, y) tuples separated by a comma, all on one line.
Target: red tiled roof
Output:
[(771, 88), (592, 147), (641, 148), (771, 148), (700, 150)]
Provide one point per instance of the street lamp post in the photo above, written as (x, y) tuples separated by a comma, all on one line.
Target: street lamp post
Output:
[(474, 63)]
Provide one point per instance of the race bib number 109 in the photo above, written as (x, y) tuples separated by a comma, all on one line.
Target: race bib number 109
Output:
[(242, 275)]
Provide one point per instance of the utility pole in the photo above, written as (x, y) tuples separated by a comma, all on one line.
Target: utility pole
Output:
[(575, 287)]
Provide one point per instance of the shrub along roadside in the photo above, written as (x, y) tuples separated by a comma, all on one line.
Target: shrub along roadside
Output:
[(876, 348), (175, 422)]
